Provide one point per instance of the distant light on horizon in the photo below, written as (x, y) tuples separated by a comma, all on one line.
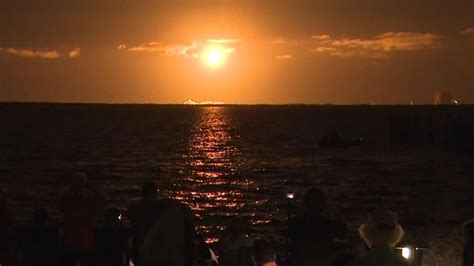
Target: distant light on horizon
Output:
[(191, 102)]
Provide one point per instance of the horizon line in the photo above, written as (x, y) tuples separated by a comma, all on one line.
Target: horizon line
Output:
[(219, 104)]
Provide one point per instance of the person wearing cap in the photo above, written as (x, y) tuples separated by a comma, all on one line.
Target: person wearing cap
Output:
[(381, 233), (468, 256), (312, 235), (80, 206)]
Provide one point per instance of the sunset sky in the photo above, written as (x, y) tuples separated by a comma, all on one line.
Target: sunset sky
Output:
[(247, 51)]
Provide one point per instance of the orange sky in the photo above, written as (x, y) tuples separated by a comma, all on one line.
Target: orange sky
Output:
[(344, 52)]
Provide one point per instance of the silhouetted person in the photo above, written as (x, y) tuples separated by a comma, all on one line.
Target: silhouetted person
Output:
[(469, 245), (143, 215), (264, 254), (5, 223), (381, 233), (40, 244), (80, 207), (112, 240), (312, 234), (235, 244), (171, 240)]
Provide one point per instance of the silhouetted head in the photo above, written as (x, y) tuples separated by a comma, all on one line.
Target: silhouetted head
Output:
[(149, 190), (40, 217), (78, 181), (469, 231), (264, 254), (314, 201), (238, 226), (112, 217)]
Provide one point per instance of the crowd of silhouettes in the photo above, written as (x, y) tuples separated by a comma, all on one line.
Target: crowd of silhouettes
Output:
[(162, 232)]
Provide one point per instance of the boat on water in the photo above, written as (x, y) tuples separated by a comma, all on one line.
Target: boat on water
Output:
[(339, 140)]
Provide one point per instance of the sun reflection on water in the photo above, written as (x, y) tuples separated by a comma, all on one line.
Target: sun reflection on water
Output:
[(214, 180), (212, 184)]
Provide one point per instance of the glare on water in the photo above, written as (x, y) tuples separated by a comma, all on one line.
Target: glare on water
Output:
[(212, 164)]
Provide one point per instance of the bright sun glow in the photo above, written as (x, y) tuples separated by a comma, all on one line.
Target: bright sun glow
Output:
[(214, 56)]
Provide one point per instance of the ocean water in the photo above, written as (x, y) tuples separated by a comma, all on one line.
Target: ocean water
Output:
[(227, 161)]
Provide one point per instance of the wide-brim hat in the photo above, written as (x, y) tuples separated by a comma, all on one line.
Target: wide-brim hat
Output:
[(382, 228)]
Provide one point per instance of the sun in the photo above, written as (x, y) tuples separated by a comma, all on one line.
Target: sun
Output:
[(214, 56)]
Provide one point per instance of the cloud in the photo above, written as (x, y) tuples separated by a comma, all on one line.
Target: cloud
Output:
[(284, 57), (223, 41), (376, 47), (321, 37), (53, 54), (468, 31), (324, 49), (75, 53), (193, 49), (159, 47), (49, 54), (390, 41), (144, 47), (284, 42), (181, 49)]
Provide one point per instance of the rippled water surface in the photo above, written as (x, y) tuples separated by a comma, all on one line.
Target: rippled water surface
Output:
[(225, 161)]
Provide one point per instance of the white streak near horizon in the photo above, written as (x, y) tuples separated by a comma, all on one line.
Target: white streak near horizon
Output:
[(191, 102)]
